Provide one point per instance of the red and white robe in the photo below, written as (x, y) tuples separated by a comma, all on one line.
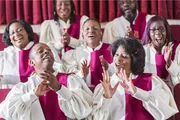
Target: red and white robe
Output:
[(118, 27)]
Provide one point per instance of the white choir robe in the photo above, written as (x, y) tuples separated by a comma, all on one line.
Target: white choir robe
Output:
[(159, 101), (72, 60), (151, 63), (174, 68), (118, 28), (52, 33), (9, 65), (75, 100)]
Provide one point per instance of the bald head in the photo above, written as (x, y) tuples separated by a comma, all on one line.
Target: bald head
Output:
[(41, 57), (35, 49)]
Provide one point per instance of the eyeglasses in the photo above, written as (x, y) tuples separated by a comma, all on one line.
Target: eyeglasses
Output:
[(121, 2), (18, 30), (160, 29)]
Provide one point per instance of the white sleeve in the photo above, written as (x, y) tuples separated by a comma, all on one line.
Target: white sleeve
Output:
[(74, 42), (108, 35), (148, 16), (111, 69), (1, 61), (159, 102), (75, 100), (174, 69), (17, 103), (101, 105), (1, 66), (45, 31), (47, 34), (69, 61)]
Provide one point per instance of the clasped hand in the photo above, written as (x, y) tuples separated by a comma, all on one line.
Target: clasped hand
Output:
[(49, 82)]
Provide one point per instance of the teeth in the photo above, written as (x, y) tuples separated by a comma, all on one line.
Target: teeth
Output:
[(64, 12), (158, 39), (18, 38)]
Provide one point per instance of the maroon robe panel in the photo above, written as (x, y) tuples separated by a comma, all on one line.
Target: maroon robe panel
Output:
[(49, 101), (134, 107), (25, 69), (139, 25), (73, 31), (95, 64), (161, 66)]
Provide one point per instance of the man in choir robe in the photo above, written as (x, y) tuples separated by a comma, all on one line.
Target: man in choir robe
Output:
[(135, 95), (47, 95), (131, 20), (86, 59)]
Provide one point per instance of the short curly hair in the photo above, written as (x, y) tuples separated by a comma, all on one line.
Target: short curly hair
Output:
[(136, 51), (27, 27)]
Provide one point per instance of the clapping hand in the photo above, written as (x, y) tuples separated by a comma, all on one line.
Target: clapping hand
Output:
[(126, 82), (85, 68), (104, 63), (66, 38), (168, 53), (129, 32), (108, 90), (49, 82), (42, 88)]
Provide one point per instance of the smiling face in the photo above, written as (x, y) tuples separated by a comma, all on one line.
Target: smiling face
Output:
[(92, 33), (128, 9), (63, 8), (42, 57), (122, 60), (18, 35), (158, 34)]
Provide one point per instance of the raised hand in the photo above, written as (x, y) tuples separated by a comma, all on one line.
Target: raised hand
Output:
[(51, 80), (168, 53), (41, 88), (104, 63), (66, 38), (127, 82), (129, 33), (85, 68), (108, 90)]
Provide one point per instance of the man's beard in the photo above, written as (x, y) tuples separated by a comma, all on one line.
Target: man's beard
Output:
[(130, 17)]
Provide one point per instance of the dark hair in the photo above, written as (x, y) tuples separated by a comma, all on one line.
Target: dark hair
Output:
[(146, 36), (27, 27), (136, 51), (94, 19), (72, 15)]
